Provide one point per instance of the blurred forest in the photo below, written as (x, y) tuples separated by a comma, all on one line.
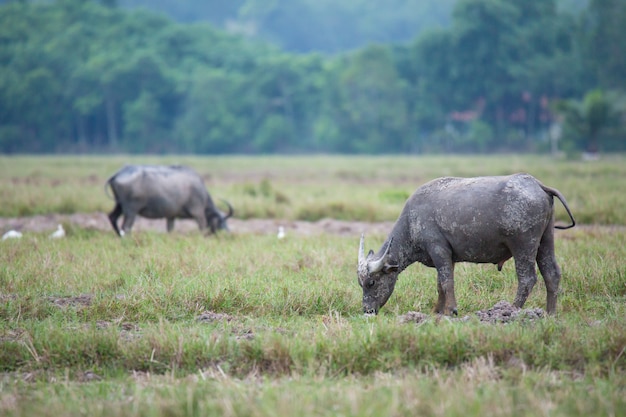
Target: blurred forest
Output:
[(295, 76), (312, 25)]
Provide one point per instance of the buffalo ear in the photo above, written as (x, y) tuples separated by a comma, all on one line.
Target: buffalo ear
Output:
[(390, 268)]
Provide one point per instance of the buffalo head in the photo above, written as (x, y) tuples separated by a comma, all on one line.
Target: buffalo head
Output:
[(216, 220), (377, 275)]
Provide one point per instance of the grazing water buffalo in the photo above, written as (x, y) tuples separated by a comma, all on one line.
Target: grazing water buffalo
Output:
[(479, 220), (159, 192)]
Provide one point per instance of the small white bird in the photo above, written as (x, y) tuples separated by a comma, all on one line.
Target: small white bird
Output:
[(281, 232), (11, 234), (59, 233)]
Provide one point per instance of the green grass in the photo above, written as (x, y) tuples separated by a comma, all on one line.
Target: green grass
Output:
[(94, 325)]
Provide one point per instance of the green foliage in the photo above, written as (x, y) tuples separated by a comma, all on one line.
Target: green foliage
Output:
[(94, 77), (289, 23), (593, 121), (602, 37)]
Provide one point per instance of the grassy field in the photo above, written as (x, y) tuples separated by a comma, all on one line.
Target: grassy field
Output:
[(247, 325), (309, 188)]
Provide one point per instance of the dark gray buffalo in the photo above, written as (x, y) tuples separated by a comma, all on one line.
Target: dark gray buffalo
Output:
[(158, 192), (479, 220)]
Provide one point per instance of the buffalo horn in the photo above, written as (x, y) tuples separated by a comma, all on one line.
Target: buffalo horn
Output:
[(231, 211), (377, 265), (361, 249)]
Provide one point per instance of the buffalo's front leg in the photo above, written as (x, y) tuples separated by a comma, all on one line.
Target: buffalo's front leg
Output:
[(446, 303), (170, 224)]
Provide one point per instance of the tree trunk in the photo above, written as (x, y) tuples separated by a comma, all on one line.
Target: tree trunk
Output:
[(81, 132)]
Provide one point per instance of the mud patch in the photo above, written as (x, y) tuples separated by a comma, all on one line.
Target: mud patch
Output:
[(238, 331), (501, 312), (244, 334), (5, 298), (504, 312), (13, 335), (413, 317), (99, 222), (83, 300), (128, 331), (88, 376), (125, 326), (211, 317)]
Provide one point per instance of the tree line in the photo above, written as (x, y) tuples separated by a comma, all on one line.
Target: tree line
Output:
[(505, 75), (313, 25)]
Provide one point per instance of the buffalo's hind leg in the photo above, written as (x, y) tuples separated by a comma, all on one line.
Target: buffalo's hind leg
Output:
[(127, 224), (114, 216), (550, 271), (526, 278)]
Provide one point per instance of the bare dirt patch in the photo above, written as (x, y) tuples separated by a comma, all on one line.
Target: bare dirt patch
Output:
[(83, 300), (416, 317), (501, 312), (100, 222), (128, 331), (211, 316), (504, 312)]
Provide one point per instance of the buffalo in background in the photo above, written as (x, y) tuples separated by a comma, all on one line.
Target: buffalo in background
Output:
[(169, 192)]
